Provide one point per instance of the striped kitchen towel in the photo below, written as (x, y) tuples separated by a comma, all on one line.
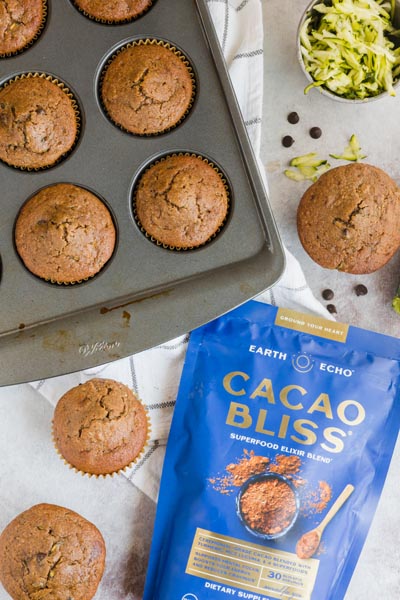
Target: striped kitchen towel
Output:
[(154, 374)]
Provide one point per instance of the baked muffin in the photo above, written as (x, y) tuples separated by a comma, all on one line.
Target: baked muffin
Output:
[(350, 219), (20, 22), (100, 427), (181, 201), (64, 234), (147, 88), (113, 11), (51, 552), (38, 122)]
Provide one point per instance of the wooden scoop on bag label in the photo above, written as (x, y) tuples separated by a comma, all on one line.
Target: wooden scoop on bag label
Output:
[(309, 542)]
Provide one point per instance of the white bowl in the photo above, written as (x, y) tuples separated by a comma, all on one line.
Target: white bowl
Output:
[(323, 90)]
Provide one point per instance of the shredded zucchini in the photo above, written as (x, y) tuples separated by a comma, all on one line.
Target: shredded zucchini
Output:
[(307, 160), (396, 304), (346, 47), (352, 152), (308, 167)]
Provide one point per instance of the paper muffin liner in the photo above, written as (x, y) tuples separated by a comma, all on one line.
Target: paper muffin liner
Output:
[(136, 460), (178, 248), (65, 283), (35, 37), (149, 42), (119, 22), (76, 109), (78, 281), (68, 283)]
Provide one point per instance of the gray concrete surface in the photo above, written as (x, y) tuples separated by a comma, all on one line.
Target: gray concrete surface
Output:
[(30, 470), (377, 125)]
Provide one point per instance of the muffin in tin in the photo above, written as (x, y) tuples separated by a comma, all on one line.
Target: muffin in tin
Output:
[(21, 22), (113, 11), (181, 201), (49, 551), (100, 427), (350, 219), (147, 87), (39, 121), (64, 234)]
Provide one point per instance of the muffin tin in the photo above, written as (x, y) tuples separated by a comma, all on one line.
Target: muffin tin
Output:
[(146, 294)]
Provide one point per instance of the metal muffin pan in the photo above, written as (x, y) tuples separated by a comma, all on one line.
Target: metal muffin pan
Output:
[(146, 294)]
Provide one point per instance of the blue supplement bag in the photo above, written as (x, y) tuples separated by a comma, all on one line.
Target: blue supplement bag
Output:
[(280, 443)]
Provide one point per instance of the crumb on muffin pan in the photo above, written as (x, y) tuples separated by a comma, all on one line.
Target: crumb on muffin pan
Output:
[(122, 96)]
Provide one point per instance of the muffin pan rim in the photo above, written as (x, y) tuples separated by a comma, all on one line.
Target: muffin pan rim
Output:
[(245, 259)]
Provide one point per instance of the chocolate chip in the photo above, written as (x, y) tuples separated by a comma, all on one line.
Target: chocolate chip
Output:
[(293, 118), (315, 132), (40, 556), (327, 294), (332, 309), (361, 290), (287, 141)]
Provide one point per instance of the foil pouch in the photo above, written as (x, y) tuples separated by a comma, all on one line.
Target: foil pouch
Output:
[(280, 443)]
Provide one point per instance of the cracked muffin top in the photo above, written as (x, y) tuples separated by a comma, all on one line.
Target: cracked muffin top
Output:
[(37, 123), (350, 219), (181, 201), (113, 11), (20, 22), (100, 426), (51, 552), (147, 89), (64, 234)]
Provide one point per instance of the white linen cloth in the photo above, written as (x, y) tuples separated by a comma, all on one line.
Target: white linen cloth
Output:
[(239, 25)]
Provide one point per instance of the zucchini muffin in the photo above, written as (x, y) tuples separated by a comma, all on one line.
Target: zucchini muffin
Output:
[(350, 219), (147, 88), (100, 427), (181, 201), (20, 22), (64, 234), (38, 122), (51, 552), (113, 11)]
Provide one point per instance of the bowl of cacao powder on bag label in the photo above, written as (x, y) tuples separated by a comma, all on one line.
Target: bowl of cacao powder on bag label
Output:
[(268, 505)]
